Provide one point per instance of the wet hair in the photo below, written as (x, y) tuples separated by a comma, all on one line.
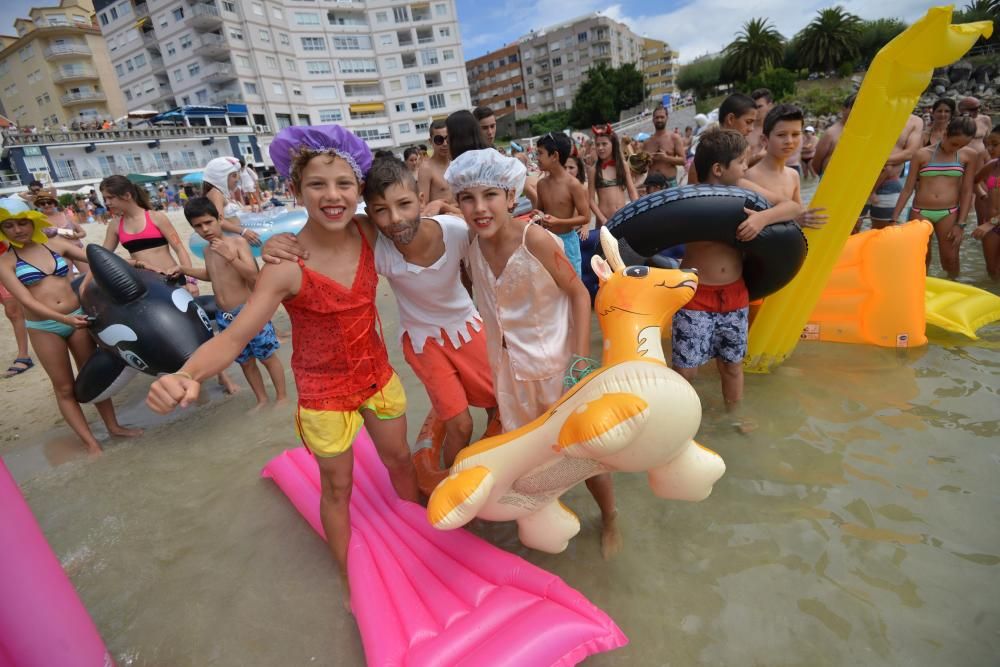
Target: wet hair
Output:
[(556, 142), (581, 169), (36, 184), (482, 113), (412, 150), (616, 155), (961, 125), (382, 153), (946, 101), (197, 207), (385, 173), (779, 113), (464, 133), (736, 104), (763, 93), (718, 147), (423, 148), (120, 186), (438, 124), (656, 179)]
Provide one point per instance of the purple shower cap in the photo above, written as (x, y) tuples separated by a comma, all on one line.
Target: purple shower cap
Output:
[(332, 139)]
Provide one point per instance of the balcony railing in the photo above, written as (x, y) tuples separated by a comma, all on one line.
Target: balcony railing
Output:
[(134, 134), (58, 50), (65, 74), (80, 98)]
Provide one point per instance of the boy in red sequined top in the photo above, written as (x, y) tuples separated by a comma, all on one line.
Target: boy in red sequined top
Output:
[(339, 360)]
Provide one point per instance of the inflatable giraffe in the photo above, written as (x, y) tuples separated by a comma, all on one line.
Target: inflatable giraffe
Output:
[(633, 414)]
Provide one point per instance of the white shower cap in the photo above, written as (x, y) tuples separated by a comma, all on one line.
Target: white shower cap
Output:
[(486, 168)]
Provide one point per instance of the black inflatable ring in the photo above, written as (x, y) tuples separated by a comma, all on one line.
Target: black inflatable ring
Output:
[(712, 213)]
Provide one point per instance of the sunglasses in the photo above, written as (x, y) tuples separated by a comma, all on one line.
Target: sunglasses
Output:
[(440, 140)]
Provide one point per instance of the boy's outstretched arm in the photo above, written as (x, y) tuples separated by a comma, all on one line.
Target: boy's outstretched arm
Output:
[(758, 220), (182, 388)]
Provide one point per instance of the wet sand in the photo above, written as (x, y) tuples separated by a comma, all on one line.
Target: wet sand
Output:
[(856, 525)]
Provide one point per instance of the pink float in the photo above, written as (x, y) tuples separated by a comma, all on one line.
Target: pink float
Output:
[(42, 621), (423, 597)]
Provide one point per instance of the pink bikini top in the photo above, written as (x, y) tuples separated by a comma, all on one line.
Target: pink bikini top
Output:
[(149, 237)]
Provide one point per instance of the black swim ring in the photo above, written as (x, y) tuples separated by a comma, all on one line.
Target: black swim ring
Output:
[(712, 213)]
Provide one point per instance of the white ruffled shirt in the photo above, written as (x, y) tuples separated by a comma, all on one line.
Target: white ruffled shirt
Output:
[(431, 299)]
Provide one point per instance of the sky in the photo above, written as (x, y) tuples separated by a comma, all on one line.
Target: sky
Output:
[(692, 27)]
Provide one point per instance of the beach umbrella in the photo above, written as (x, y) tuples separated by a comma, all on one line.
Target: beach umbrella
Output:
[(193, 178), (642, 136)]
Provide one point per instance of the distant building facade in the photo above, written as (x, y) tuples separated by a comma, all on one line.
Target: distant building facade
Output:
[(496, 81), (659, 68)]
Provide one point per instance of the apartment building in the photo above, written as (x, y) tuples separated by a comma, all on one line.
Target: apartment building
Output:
[(496, 80), (383, 68), (659, 68), (555, 59), (56, 68)]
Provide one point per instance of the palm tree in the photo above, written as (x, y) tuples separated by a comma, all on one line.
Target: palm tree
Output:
[(831, 39), (757, 47)]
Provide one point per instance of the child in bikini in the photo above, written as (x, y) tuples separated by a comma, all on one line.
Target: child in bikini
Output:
[(535, 309), (339, 359), (943, 176), (988, 179)]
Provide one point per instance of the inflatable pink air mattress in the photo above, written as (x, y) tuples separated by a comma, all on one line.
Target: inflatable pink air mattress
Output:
[(424, 597), (42, 621)]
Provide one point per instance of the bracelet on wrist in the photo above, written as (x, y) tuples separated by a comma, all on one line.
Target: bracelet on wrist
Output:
[(184, 374)]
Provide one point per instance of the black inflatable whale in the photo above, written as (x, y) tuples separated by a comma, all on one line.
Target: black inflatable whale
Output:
[(141, 321)]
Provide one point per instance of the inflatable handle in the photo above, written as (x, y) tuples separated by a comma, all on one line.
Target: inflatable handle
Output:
[(898, 75), (114, 274)]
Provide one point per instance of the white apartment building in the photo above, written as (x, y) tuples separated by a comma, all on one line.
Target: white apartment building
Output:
[(383, 68)]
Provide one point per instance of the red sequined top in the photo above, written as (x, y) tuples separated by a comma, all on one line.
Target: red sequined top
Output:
[(338, 358)]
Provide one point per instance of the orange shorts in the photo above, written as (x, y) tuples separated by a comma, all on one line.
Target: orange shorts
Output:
[(455, 378), (720, 298)]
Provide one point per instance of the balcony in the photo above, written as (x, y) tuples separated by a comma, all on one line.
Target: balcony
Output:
[(150, 42), (213, 46), (78, 73), (66, 50), (85, 97), (404, 37), (420, 12), (220, 73), (156, 63), (205, 17), (425, 35)]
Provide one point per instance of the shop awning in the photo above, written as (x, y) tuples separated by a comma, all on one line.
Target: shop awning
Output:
[(374, 107)]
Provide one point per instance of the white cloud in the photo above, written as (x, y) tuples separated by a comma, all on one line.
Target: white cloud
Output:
[(706, 26)]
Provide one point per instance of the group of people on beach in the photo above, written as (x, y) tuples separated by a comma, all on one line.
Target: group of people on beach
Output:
[(432, 227)]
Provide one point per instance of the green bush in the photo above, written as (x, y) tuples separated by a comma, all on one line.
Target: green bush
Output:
[(821, 100), (66, 200)]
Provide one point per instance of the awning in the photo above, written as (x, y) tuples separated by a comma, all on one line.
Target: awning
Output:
[(367, 82), (140, 179), (374, 107)]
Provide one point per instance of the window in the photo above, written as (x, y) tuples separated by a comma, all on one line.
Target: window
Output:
[(277, 89), (324, 92), (243, 61), (421, 127), (429, 56), (201, 96), (276, 13), (456, 98), (558, 77), (386, 39), (381, 17), (451, 77), (171, 49), (581, 37), (441, 10), (250, 88), (140, 60), (437, 101), (401, 14), (560, 91), (236, 33), (413, 82), (353, 43), (330, 116), (107, 163), (444, 32), (119, 70), (417, 106), (271, 62), (283, 38), (193, 70), (373, 134), (448, 54), (129, 65), (313, 44), (400, 107), (356, 65), (290, 64), (557, 61), (26, 52), (404, 128), (296, 91), (392, 62), (163, 20), (528, 69), (128, 95), (114, 13), (178, 14), (124, 9), (264, 35), (555, 46), (228, 6), (318, 67), (257, 8), (185, 41), (395, 85), (306, 18), (104, 18), (178, 74)]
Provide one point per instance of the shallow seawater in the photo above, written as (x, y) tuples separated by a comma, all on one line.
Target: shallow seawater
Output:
[(855, 526)]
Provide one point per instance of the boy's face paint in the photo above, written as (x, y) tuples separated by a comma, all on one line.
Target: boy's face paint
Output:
[(785, 138), (396, 213), (207, 227), (329, 191), (486, 210)]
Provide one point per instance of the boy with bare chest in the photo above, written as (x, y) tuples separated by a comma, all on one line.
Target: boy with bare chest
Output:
[(562, 199)]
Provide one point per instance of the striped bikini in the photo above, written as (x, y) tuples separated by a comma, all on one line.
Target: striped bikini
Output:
[(933, 169), (29, 274)]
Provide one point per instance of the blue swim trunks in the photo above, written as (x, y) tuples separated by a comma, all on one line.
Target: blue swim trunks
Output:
[(701, 335), (571, 243), (261, 346), (886, 197)]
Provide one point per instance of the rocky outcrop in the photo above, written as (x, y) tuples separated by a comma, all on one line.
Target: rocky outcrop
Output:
[(963, 79)]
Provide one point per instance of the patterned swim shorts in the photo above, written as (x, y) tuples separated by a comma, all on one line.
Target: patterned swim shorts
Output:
[(261, 346), (701, 335)]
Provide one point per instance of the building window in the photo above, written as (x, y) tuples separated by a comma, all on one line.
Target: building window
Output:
[(527, 69), (444, 32), (429, 56), (119, 70), (250, 88), (201, 96), (140, 60), (186, 41), (395, 85), (381, 17), (236, 33), (171, 49), (421, 127), (413, 82), (324, 92), (26, 52), (228, 6), (193, 69), (283, 38), (243, 61), (277, 89), (264, 35), (179, 14), (318, 67), (104, 18), (557, 61), (581, 37), (306, 18), (258, 9), (271, 62), (386, 39), (400, 107), (451, 77), (276, 13), (441, 10), (436, 100), (401, 14), (353, 43), (290, 64), (391, 63), (313, 44), (417, 106), (356, 65), (330, 116), (178, 74), (404, 128)]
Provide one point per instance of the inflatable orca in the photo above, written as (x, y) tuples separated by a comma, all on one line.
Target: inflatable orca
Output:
[(140, 320)]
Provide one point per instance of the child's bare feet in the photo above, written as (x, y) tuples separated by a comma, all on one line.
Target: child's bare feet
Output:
[(122, 432), (280, 402), (346, 600), (257, 408), (611, 537), (228, 386)]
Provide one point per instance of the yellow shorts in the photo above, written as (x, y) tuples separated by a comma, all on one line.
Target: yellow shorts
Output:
[(330, 432)]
